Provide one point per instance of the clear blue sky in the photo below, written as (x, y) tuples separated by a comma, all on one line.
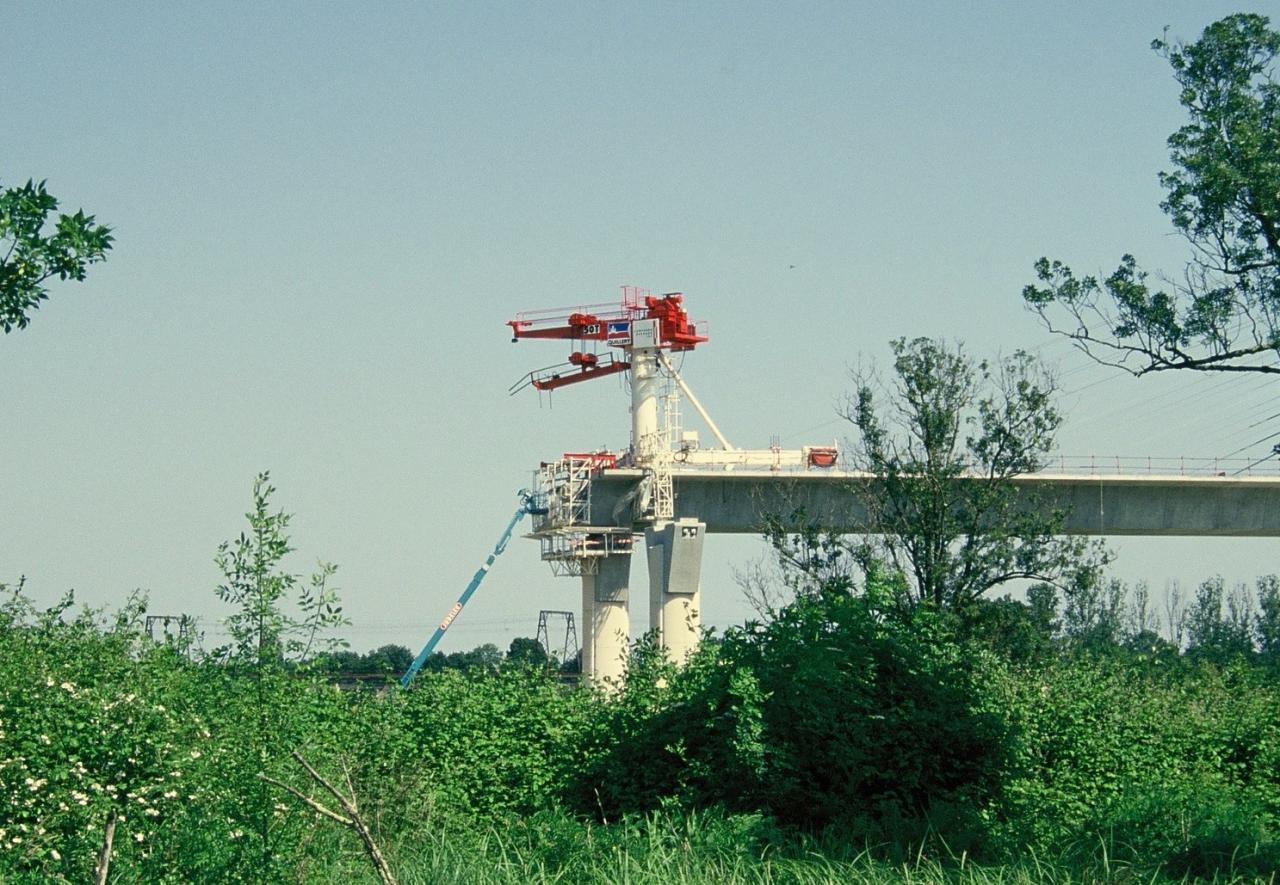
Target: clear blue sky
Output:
[(326, 212)]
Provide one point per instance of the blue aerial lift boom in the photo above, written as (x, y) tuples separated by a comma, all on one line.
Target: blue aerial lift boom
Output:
[(528, 504)]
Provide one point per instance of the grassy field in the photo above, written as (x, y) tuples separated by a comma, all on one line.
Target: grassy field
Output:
[(695, 850)]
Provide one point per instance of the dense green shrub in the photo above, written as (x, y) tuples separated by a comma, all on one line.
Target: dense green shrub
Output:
[(841, 724), (840, 710), (1190, 828), (488, 743), (97, 721), (1107, 747), (90, 731)]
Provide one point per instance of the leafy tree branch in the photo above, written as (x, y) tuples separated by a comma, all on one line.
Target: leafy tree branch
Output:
[(30, 255), (1222, 195)]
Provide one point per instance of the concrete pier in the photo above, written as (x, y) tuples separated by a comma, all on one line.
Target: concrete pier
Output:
[(675, 584), (606, 626)]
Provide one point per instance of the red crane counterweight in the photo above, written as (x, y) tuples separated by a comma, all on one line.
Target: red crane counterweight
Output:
[(674, 329)]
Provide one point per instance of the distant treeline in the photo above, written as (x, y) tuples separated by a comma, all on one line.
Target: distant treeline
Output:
[(394, 660)]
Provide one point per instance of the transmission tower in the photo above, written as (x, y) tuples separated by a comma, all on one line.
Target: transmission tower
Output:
[(171, 628), (568, 651)]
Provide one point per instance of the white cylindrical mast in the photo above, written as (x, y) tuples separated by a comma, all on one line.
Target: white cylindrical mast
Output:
[(645, 429)]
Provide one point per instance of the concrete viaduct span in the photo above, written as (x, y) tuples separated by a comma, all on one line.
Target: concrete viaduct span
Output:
[(591, 524)]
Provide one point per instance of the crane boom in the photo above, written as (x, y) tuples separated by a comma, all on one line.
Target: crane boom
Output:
[(528, 504), (581, 367), (611, 324)]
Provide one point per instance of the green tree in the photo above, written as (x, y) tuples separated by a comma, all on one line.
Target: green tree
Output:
[(841, 710), (942, 504), (1220, 622), (527, 651), (393, 659), (1019, 632), (1223, 196), (264, 633), (30, 255), (483, 657), (486, 657), (1093, 613), (1267, 620), (265, 636)]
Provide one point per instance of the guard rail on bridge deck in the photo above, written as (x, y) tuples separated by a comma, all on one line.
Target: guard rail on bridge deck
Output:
[(1137, 465)]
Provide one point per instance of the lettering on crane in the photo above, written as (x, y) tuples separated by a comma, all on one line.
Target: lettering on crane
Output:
[(453, 613)]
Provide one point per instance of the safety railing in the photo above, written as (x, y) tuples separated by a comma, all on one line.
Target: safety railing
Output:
[(1150, 465)]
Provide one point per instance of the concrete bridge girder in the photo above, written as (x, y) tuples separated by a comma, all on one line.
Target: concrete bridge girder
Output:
[(740, 501)]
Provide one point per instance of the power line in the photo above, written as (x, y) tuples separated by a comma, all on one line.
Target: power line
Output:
[(1256, 443), (1275, 450)]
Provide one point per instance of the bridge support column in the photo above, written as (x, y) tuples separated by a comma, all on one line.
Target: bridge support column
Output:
[(675, 576), (606, 627)]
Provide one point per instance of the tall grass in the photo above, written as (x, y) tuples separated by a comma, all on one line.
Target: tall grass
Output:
[(697, 848)]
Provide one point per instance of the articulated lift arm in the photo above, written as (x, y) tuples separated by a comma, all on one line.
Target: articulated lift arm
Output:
[(528, 504)]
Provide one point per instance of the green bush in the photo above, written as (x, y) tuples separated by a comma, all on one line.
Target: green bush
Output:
[(780, 751), (1108, 750), (488, 743), (1187, 829), (839, 711)]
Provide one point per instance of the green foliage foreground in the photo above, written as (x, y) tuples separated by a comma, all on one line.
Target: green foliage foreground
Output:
[(839, 742)]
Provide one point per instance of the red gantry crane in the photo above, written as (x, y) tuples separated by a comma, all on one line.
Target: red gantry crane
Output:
[(588, 326)]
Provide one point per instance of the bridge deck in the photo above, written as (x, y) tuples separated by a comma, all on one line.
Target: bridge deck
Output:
[(738, 501)]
